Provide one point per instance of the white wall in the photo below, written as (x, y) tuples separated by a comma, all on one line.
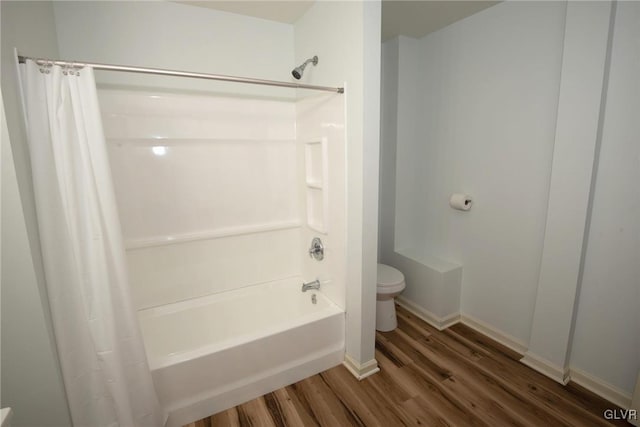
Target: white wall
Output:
[(388, 135), (476, 113), (410, 203), (580, 103), (345, 36), (31, 380), (175, 36), (606, 341), (491, 87)]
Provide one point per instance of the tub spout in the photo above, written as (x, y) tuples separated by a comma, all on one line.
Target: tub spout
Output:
[(311, 285)]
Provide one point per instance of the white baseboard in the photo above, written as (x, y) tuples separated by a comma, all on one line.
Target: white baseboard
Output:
[(495, 334), (546, 368), (437, 322), (539, 364), (361, 371), (601, 388), (441, 323)]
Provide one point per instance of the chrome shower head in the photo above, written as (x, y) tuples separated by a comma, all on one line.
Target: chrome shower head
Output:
[(297, 72)]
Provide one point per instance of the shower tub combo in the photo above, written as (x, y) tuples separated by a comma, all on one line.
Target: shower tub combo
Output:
[(218, 199)]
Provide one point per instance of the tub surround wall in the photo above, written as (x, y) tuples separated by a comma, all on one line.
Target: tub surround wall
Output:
[(206, 187), (321, 117), (186, 165), (168, 273)]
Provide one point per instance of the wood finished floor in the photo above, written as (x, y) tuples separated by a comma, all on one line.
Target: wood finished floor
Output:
[(455, 377)]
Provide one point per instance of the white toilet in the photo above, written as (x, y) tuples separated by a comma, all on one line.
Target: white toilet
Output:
[(390, 284)]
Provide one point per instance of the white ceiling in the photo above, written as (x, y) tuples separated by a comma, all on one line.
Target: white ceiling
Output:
[(288, 11), (411, 18), (419, 18)]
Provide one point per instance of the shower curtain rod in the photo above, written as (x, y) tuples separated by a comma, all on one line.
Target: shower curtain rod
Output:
[(175, 73)]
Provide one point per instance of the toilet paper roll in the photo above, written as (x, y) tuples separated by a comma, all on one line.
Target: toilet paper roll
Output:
[(461, 202)]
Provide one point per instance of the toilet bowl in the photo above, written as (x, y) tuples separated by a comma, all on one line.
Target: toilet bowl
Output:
[(390, 284)]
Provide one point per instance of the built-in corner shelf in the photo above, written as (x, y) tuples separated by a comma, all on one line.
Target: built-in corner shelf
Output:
[(316, 179)]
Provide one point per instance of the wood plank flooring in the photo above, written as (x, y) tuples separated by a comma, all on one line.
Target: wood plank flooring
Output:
[(455, 377)]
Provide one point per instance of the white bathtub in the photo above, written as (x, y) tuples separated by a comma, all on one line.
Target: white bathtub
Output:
[(211, 353)]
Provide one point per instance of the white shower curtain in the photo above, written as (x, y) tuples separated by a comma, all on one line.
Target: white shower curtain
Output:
[(104, 367)]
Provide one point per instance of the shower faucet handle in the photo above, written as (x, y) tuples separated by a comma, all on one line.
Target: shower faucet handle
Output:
[(317, 249)]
